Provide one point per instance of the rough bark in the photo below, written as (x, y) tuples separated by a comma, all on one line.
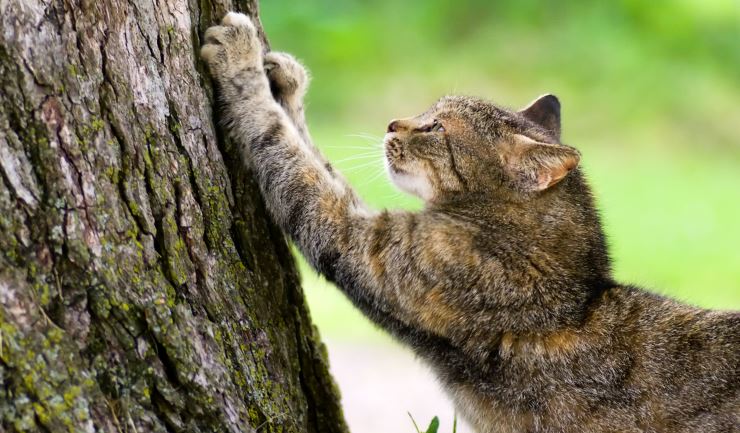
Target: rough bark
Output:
[(142, 285)]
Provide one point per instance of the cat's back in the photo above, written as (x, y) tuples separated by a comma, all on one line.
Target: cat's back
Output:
[(664, 366), (686, 359), (524, 354), (640, 363)]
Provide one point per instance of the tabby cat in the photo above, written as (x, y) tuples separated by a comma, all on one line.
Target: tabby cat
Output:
[(502, 282)]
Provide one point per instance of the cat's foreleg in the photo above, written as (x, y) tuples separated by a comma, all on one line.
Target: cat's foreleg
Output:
[(372, 256), (288, 83), (305, 199)]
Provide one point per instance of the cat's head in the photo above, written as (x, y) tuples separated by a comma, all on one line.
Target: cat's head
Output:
[(464, 144)]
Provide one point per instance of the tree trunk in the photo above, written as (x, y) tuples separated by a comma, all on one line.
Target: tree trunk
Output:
[(142, 286)]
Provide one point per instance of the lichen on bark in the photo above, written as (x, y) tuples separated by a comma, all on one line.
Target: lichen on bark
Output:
[(142, 285)]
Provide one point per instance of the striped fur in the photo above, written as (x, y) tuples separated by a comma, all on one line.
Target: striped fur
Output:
[(502, 282)]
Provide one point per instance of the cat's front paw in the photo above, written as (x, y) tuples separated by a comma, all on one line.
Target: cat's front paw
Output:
[(232, 47), (288, 78)]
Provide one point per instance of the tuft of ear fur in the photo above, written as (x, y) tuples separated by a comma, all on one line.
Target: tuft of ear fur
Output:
[(536, 166), (544, 111)]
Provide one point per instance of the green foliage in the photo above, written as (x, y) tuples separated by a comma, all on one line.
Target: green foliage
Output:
[(433, 425), (649, 93)]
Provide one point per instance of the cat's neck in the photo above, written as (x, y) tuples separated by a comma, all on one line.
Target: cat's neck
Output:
[(559, 231)]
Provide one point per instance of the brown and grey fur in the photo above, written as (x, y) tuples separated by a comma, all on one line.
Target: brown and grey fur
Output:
[(502, 283)]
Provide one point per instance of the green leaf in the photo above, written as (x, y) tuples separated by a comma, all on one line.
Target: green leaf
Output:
[(433, 426)]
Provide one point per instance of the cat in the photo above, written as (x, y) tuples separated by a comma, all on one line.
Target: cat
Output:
[(502, 283)]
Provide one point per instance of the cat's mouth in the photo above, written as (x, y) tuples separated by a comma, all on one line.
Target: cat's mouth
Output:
[(393, 147), (394, 171), (392, 154), (406, 179), (392, 167)]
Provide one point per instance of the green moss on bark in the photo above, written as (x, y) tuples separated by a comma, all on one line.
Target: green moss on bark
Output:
[(142, 285)]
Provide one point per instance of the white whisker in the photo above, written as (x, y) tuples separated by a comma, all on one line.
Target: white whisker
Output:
[(356, 157), (373, 178), (373, 140), (364, 165), (366, 136), (351, 147), (395, 195)]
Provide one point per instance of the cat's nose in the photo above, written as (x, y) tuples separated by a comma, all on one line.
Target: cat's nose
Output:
[(393, 126)]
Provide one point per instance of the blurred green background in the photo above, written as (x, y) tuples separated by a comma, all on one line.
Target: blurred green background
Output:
[(650, 93)]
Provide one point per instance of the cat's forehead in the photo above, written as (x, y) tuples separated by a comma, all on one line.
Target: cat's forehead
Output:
[(477, 111), (467, 106)]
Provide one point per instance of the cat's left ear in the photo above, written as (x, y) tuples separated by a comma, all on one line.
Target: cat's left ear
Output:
[(545, 112), (536, 166)]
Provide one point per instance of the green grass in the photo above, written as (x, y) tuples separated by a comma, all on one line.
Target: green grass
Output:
[(433, 425), (650, 95)]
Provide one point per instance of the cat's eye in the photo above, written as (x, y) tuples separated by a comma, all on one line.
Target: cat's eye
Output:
[(435, 126)]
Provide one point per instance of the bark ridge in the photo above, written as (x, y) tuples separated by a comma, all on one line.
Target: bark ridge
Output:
[(142, 285)]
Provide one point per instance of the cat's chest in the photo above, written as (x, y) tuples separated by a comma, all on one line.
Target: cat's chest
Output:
[(487, 415), (516, 394), (494, 414)]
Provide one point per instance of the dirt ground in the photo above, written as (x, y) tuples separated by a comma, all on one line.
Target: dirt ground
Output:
[(382, 383)]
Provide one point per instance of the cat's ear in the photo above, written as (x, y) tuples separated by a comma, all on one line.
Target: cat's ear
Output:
[(544, 111), (536, 166)]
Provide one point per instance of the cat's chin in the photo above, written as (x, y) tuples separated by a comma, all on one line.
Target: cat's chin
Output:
[(414, 184)]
